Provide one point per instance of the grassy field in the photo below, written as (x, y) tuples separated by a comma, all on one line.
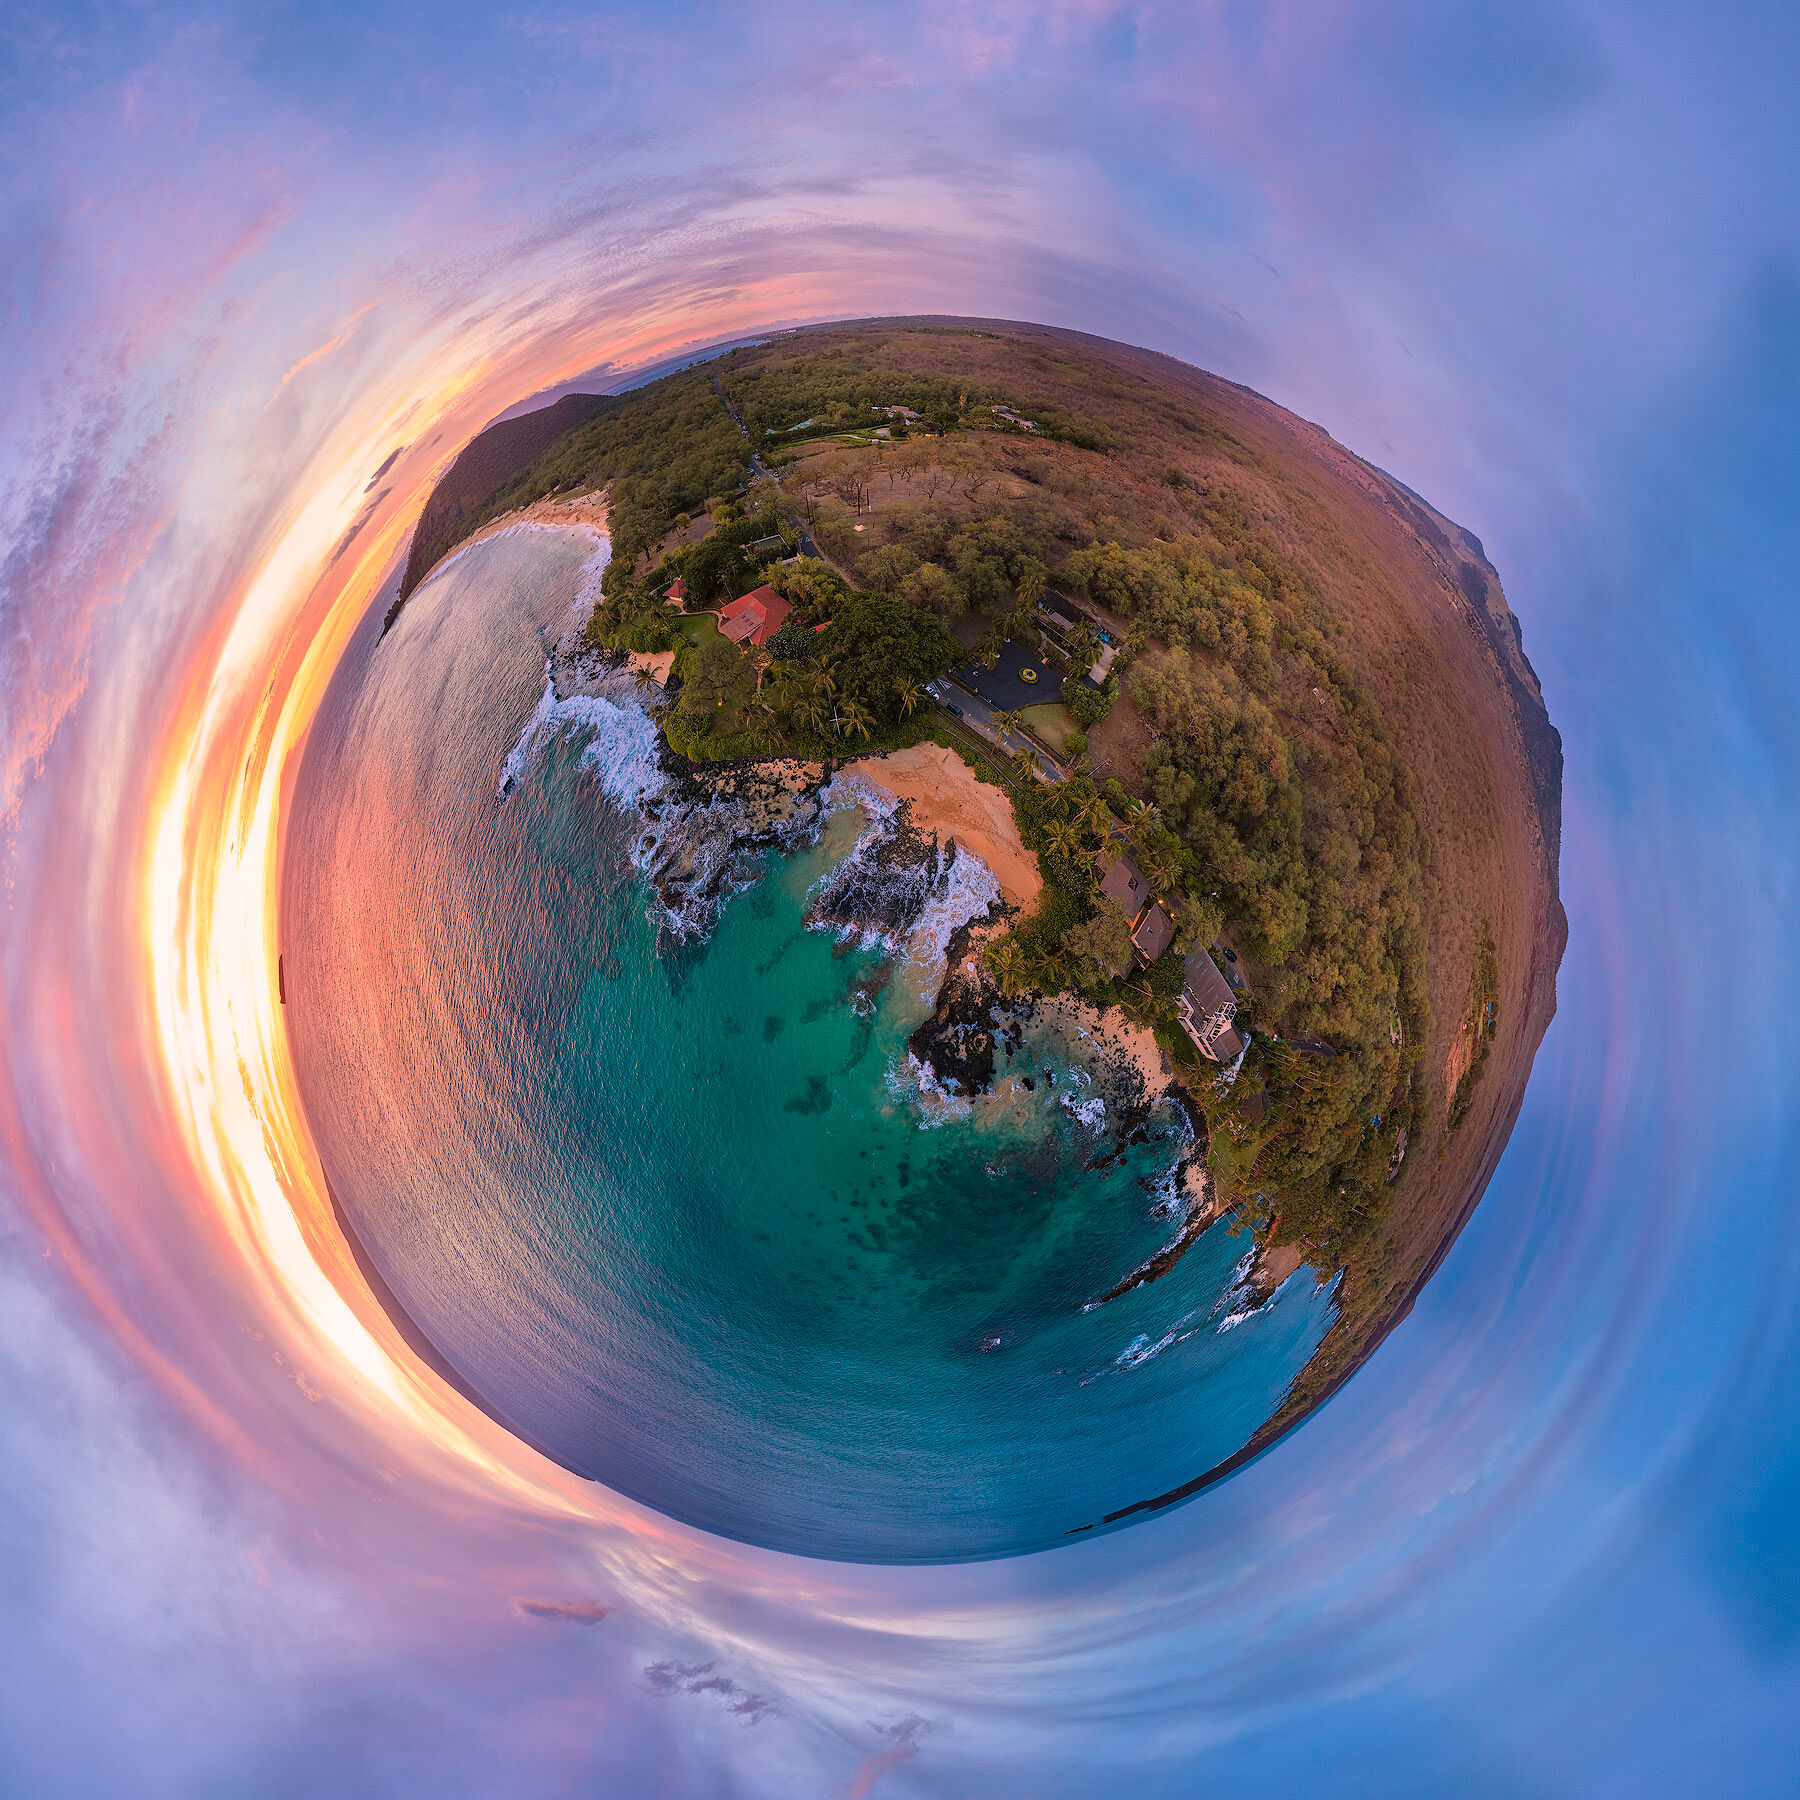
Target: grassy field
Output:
[(1051, 725)]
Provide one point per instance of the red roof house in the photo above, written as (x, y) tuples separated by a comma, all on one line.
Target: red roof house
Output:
[(677, 594), (755, 618)]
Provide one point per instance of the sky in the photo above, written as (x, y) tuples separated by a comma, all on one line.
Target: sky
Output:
[(1542, 263)]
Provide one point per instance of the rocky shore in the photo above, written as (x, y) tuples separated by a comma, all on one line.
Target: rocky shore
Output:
[(884, 886), (706, 828)]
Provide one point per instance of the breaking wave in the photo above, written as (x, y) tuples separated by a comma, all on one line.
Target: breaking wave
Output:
[(898, 889)]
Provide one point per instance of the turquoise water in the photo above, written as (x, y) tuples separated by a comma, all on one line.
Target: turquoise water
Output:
[(681, 1212)]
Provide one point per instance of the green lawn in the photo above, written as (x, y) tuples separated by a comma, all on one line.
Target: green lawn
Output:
[(1051, 722), (697, 628)]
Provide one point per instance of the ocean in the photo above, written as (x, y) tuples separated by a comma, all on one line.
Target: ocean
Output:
[(660, 1180)]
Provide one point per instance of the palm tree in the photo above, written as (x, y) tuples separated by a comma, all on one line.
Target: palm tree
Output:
[(853, 717), (764, 728), (1163, 865), (1146, 824), (909, 698), (812, 711), (1006, 963), (1096, 815), (1064, 837), (1006, 723)]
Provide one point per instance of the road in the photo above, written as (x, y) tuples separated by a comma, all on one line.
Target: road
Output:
[(979, 717)]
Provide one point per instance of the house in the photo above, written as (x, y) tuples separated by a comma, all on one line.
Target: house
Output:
[(1123, 883), (1153, 933), (677, 594), (1206, 1008), (1126, 885), (754, 618)]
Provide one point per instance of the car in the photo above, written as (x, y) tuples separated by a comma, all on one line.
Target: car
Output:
[(953, 707)]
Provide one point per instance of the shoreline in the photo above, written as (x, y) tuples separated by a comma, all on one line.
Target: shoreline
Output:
[(584, 512), (948, 799)]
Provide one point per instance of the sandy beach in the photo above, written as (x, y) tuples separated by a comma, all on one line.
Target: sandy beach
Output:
[(1137, 1043), (654, 663), (585, 510), (946, 798)]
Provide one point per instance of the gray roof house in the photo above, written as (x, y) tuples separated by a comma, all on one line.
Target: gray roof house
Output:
[(1153, 933), (1206, 1007), (1122, 881)]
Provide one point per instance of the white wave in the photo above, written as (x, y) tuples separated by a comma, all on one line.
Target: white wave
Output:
[(1237, 1295), (1142, 1348), (1091, 1113), (916, 1082), (956, 889), (1232, 1320), (845, 789), (622, 752), (1171, 1198), (1239, 1284), (694, 857), (966, 892)]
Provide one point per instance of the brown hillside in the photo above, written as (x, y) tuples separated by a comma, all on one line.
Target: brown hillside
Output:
[(490, 460)]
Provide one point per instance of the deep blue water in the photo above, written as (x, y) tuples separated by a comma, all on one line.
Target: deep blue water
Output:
[(680, 1213)]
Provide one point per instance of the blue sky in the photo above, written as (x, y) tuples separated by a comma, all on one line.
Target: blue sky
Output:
[(1541, 263)]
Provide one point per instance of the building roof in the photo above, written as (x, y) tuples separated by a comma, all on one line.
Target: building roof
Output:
[(677, 594), (1123, 881), (755, 617), (1206, 1007), (1206, 989), (1154, 934)]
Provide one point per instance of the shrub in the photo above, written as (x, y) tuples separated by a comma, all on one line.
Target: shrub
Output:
[(793, 643)]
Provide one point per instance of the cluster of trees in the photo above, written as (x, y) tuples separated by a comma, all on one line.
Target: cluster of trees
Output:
[(934, 559), (864, 672), (841, 388), (837, 389), (725, 563), (665, 449), (1074, 937), (1305, 841), (847, 669)]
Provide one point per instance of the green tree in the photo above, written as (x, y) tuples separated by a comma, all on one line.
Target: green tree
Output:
[(1032, 578), (1005, 961), (710, 673), (1101, 947), (813, 710), (930, 586)]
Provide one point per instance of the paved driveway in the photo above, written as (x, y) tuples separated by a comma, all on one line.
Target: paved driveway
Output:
[(1004, 686)]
